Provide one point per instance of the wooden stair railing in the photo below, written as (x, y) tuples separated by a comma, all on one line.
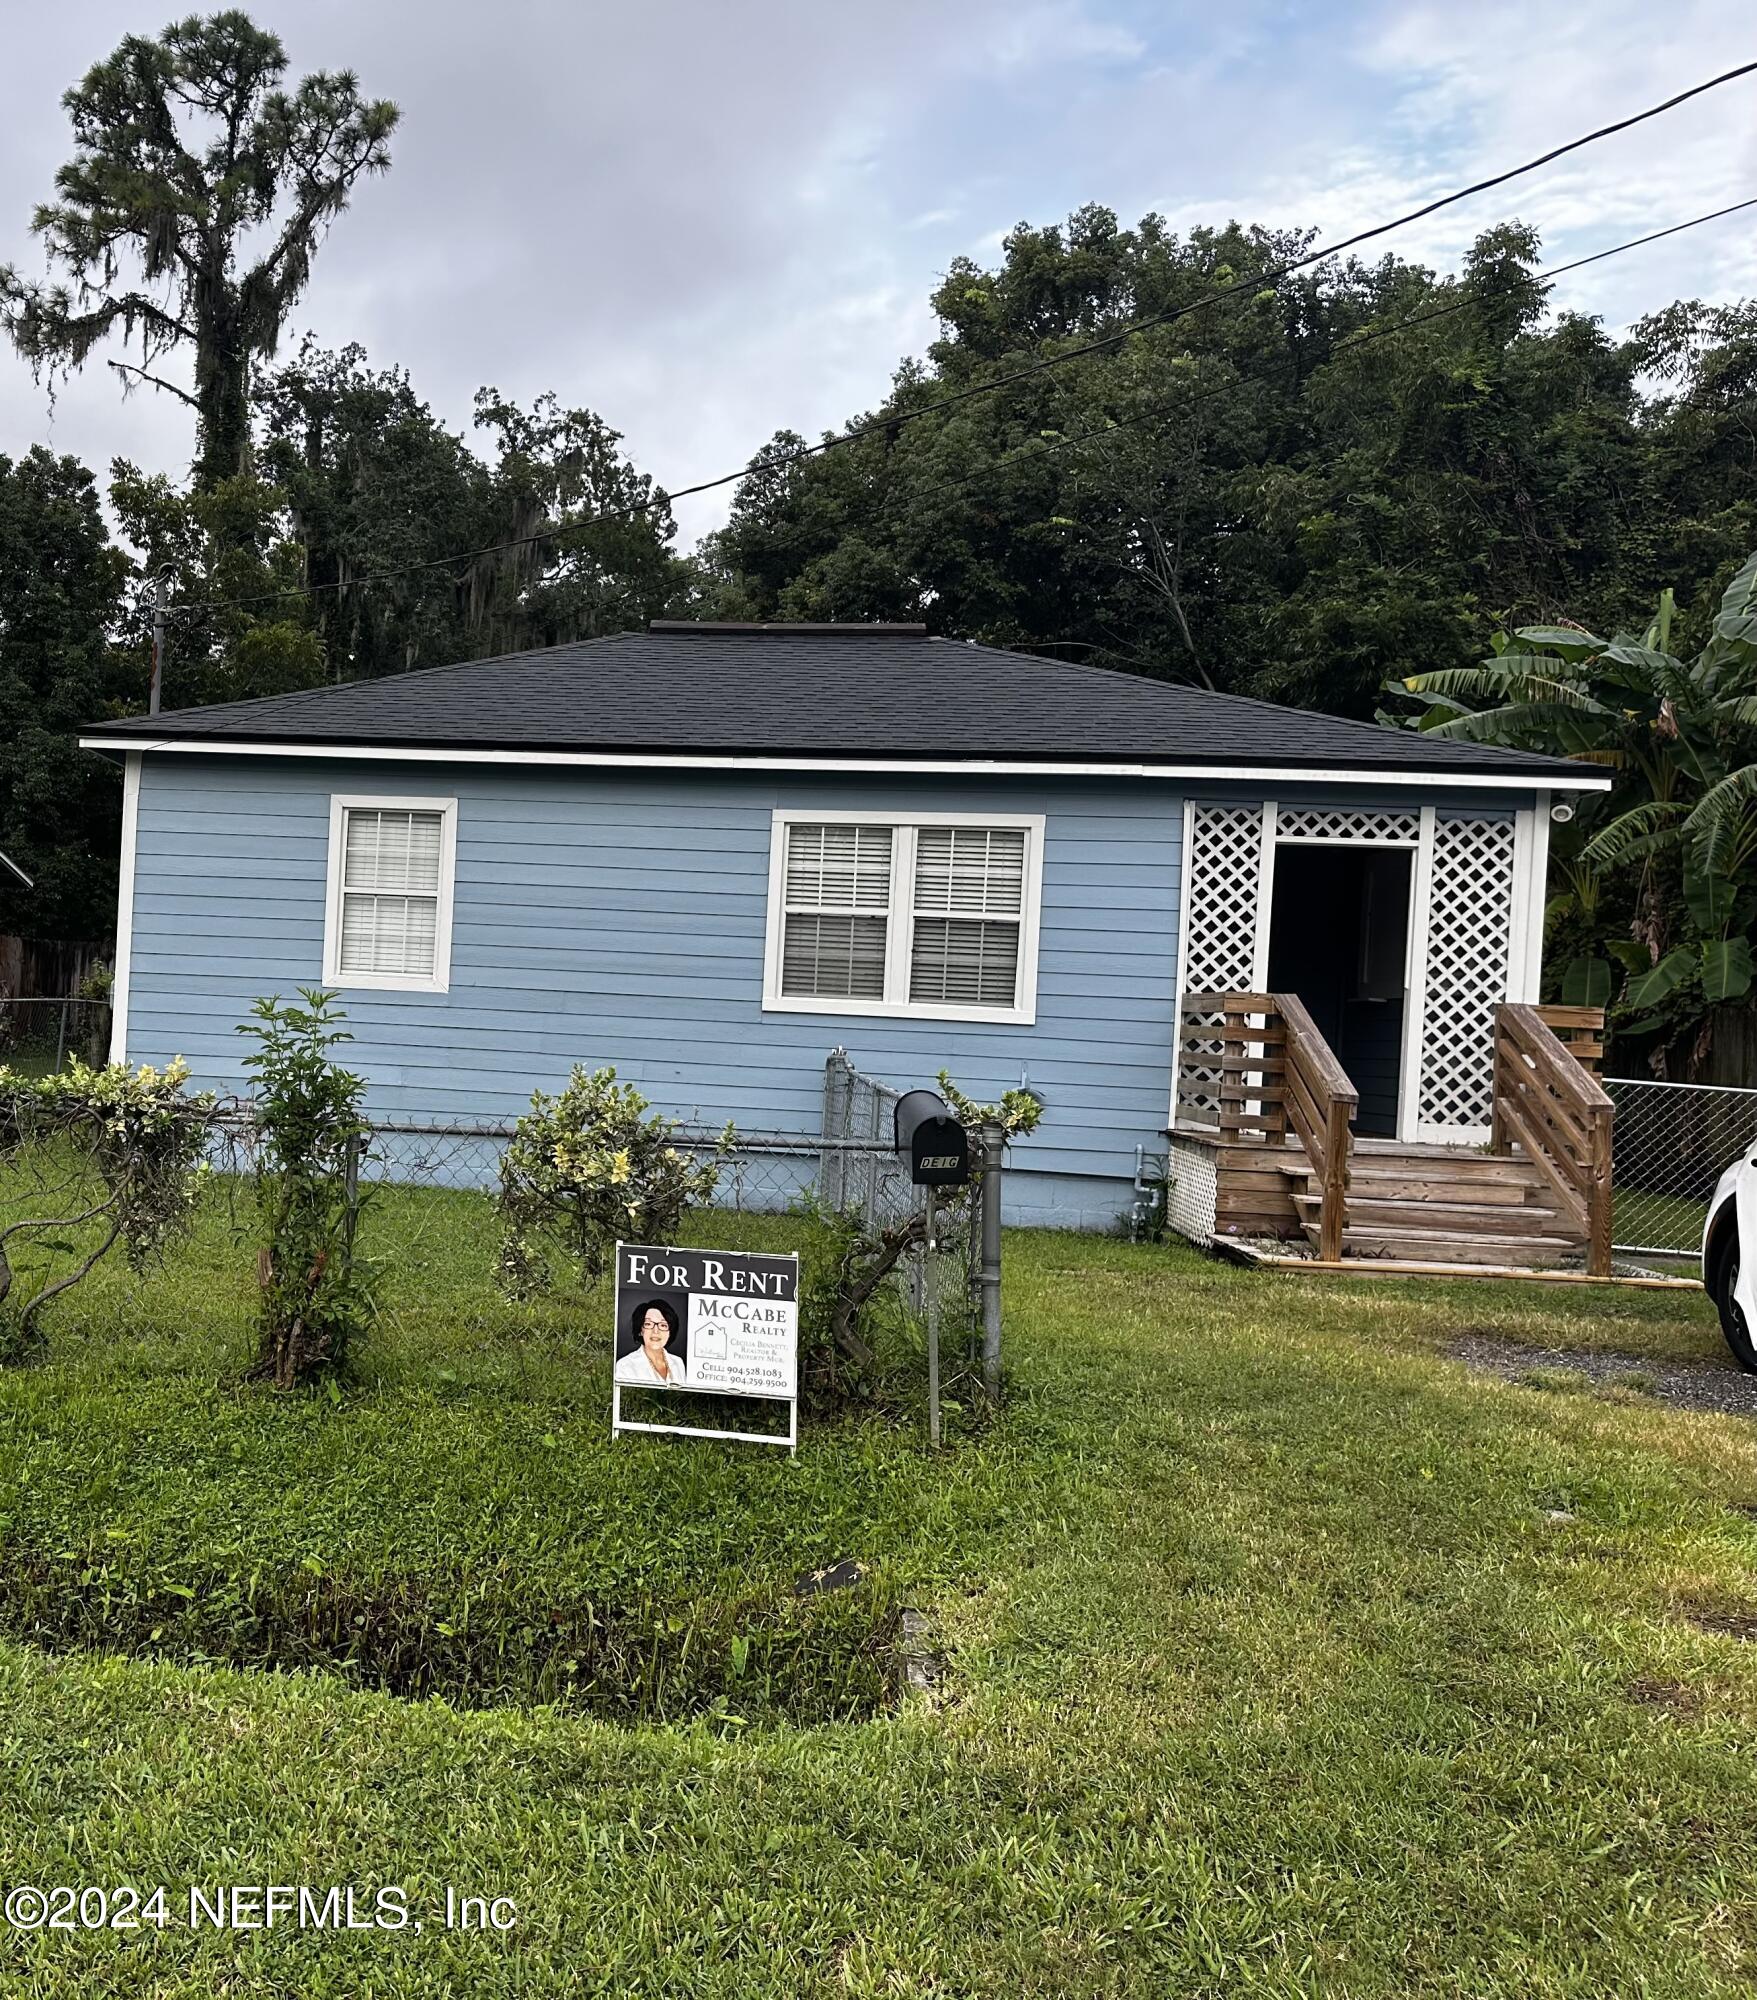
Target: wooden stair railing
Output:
[(1321, 1103), (1268, 1071), (1580, 1030), (1561, 1117), (1230, 1072)]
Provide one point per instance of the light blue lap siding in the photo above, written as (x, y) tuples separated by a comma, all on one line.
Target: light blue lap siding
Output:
[(620, 918)]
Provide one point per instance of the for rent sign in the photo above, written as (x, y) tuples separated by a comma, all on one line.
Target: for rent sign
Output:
[(712, 1322)]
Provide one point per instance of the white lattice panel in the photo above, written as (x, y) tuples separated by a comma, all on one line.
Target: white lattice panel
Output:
[(1224, 875), (1338, 823), (1470, 920), (1222, 885), (1192, 1199)]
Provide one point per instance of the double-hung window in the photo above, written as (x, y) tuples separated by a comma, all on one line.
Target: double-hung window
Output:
[(933, 916), (388, 920)]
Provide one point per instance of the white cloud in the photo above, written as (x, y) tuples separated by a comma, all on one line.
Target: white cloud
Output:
[(709, 223), (1062, 31)]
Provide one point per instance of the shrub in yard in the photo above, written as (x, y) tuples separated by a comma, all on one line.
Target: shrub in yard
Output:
[(844, 1288), (585, 1168), (1018, 1114), (845, 1307), (94, 1157), (315, 1297)]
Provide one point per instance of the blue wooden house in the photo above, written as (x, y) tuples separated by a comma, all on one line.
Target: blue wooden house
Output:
[(708, 854)]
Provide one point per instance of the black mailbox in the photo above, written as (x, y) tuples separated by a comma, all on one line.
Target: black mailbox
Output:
[(933, 1142)]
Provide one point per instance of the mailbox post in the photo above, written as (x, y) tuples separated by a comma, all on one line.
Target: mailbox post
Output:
[(993, 1143), (937, 1149)]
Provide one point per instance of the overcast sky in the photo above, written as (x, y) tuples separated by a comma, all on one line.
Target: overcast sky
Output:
[(709, 221)]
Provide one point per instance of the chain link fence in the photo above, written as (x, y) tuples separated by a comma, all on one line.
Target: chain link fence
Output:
[(850, 1165), (1671, 1143), (37, 1036), (435, 1234), (859, 1170), (858, 1167)]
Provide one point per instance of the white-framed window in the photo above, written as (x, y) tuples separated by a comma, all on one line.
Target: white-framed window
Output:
[(932, 915), (387, 922)]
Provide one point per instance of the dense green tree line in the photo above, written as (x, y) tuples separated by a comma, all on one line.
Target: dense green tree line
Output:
[(1348, 475), (1311, 491)]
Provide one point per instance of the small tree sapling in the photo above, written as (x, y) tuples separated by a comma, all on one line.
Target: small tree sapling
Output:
[(316, 1296)]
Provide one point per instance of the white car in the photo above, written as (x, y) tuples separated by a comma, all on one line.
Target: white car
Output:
[(1729, 1257)]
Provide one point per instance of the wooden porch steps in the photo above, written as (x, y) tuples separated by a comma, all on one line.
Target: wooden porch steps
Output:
[(1431, 1204), (1256, 1074), (1445, 1218), (1415, 1246)]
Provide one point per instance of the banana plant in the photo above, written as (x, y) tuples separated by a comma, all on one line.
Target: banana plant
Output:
[(1679, 734)]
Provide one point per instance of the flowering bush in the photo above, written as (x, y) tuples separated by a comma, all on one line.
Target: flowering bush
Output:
[(585, 1168), (116, 1151)]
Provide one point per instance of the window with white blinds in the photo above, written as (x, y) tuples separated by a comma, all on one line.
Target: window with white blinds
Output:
[(390, 893), (838, 891), (933, 917), (969, 905)]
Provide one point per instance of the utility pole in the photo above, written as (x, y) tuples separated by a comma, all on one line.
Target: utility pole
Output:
[(152, 694)]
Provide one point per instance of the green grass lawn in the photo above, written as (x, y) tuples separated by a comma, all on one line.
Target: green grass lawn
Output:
[(1281, 1655), (1658, 1221)]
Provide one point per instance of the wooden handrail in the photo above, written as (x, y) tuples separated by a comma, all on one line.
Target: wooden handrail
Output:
[(1230, 1071), (1561, 1117), (1258, 1062), (1580, 1030), (1321, 1103)]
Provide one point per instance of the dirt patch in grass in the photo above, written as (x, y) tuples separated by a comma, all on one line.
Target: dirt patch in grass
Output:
[(483, 1641), (1668, 1696), (1688, 1385), (1726, 1620)]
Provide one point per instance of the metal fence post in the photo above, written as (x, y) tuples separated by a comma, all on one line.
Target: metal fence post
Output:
[(351, 1188), (991, 1139), (838, 1092)]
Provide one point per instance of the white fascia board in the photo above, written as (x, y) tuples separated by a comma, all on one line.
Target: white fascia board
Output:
[(635, 760)]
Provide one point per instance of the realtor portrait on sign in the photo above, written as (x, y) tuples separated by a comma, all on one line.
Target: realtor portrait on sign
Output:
[(652, 1347)]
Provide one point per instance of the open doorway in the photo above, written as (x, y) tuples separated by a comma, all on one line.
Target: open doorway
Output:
[(1339, 938)]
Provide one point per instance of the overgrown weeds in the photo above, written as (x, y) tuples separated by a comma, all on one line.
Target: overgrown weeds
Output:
[(483, 1638)]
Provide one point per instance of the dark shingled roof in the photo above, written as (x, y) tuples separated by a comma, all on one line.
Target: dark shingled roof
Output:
[(818, 691)]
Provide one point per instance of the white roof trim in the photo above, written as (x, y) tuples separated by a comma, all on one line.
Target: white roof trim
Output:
[(12, 868), (900, 766)]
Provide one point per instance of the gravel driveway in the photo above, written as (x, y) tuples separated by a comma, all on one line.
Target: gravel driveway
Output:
[(1690, 1385)]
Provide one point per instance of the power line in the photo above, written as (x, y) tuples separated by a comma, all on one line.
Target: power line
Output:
[(891, 424), (1042, 446), (1362, 337)]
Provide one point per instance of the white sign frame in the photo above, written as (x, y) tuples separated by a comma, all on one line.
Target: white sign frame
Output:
[(619, 1423)]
